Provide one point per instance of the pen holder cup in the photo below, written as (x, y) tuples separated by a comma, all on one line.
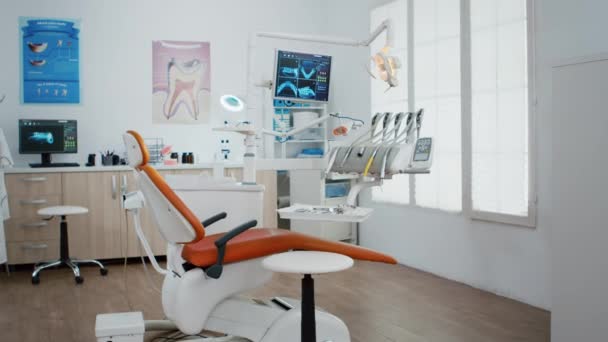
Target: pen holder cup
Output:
[(106, 160)]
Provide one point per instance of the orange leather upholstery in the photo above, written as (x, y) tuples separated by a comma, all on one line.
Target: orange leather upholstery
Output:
[(256, 243)]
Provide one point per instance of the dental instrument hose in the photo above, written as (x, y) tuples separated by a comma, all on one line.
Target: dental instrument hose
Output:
[(370, 161)]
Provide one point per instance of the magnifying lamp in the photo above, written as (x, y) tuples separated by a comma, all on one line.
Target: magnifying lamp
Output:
[(232, 103)]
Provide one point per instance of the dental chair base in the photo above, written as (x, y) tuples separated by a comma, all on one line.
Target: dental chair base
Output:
[(188, 301)]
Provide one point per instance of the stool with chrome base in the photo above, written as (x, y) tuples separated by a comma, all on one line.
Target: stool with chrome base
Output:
[(307, 263), (64, 258)]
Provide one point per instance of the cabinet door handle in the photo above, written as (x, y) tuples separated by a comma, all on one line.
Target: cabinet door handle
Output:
[(124, 185), (35, 246), (113, 186), (34, 179), (35, 224), (33, 202)]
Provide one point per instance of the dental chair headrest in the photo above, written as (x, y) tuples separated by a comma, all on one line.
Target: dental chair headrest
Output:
[(137, 153)]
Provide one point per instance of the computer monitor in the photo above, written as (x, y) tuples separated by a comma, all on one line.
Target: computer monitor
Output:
[(302, 76), (47, 136)]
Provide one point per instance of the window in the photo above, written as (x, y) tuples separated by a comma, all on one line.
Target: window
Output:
[(469, 66), (437, 90), (499, 107)]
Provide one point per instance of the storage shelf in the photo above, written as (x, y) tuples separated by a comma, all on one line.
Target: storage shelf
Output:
[(301, 141), (299, 108)]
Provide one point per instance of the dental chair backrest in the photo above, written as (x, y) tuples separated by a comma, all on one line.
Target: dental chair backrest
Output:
[(173, 218)]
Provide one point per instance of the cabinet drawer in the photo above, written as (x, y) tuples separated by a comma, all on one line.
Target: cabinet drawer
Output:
[(33, 184), (31, 229), (28, 206), (32, 252)]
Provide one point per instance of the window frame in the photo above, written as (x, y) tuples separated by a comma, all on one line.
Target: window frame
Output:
[(530, 219)]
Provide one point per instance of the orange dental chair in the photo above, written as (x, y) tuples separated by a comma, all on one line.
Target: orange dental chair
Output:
[(205, 273)]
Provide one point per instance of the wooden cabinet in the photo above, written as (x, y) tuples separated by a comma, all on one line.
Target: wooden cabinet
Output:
[(29, 238), (97, 234)]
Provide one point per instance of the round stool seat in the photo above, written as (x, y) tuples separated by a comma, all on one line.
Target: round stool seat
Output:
[(307, 262), (62, 210)]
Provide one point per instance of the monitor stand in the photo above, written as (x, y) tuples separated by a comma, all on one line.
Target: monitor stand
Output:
[(45, 159)]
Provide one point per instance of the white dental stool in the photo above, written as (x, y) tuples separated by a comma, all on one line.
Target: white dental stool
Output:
[(308, 263), (64, 258)]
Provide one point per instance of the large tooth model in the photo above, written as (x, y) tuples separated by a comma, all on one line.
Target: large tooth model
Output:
[(184, 84)]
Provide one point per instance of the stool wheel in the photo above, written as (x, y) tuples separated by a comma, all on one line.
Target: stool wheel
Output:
[(79, 280), (36, 280), (103, 271)]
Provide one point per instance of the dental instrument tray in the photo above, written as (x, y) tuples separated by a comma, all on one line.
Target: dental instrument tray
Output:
[(325, 213)]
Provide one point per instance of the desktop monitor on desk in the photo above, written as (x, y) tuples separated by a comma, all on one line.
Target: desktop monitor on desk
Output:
[(48, 136)]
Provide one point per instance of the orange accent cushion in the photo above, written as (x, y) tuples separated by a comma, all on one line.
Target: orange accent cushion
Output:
[(260, 242)]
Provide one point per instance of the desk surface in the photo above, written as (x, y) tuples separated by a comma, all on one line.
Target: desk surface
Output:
[(201, 166)]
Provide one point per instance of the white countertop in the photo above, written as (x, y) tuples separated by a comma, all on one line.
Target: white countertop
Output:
[(261, 165), (27, 169)]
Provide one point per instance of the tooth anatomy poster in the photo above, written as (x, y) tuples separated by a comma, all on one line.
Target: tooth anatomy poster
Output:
[(50, 60), (181, 82)]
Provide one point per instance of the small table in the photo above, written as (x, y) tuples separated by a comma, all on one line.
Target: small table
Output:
[(64, 250), (308, 263)]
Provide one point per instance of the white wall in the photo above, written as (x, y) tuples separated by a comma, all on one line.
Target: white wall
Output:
[(579, 301), (579, 277), (116, 66)]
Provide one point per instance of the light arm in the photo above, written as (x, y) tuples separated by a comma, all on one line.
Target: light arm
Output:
[(297, 129), (384, 26)]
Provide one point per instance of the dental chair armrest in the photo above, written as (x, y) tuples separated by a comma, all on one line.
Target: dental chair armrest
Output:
[(215, 271), (214, 219)]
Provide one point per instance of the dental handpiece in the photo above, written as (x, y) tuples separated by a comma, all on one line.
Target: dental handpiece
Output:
[(384, 162), (405, 134), (350, 149), (391, 134), (419, 117), (385, 131), (332, 159), (379, 117), (397, 125), (370, 161)]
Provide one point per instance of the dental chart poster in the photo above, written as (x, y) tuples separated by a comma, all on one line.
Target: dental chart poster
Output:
[(181, 82), (50, 60)]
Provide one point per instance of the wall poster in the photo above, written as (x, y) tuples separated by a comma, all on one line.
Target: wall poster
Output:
[(50, 60), (181, 82)]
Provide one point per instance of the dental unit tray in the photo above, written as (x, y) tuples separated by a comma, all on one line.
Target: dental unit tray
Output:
[(325, 213)]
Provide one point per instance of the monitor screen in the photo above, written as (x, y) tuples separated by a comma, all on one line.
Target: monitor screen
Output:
[(302, 76), (47, 136)]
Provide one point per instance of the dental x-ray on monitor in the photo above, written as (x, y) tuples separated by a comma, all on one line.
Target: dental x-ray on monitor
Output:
[(48, 136), (302, 76)]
